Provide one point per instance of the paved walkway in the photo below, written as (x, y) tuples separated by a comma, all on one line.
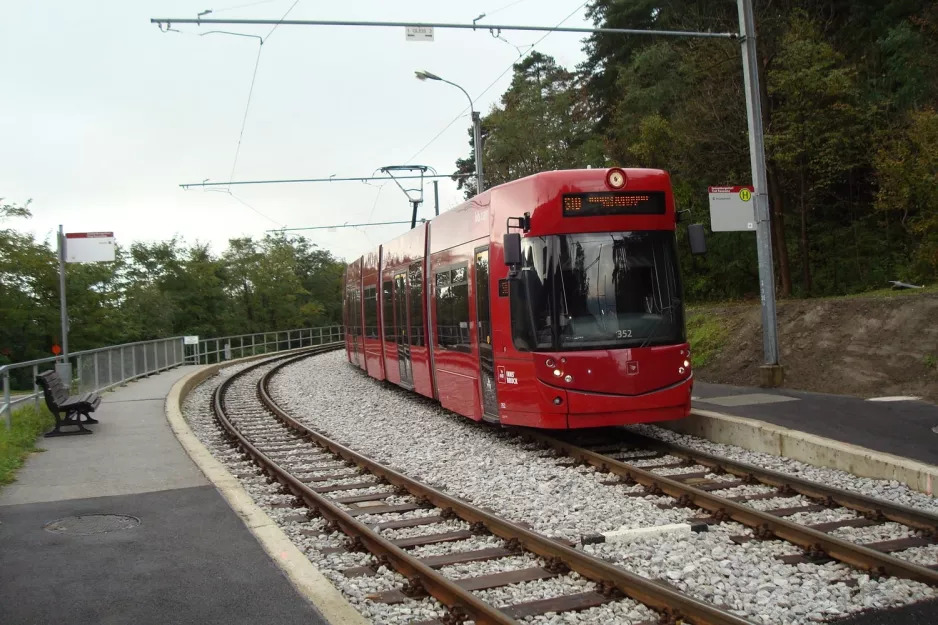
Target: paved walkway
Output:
[(903, 428), (190, 559)]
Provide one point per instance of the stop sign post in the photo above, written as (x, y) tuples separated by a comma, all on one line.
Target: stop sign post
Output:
[(87, 247)]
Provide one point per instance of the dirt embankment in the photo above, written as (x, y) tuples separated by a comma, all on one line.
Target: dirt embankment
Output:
[(862, 346)]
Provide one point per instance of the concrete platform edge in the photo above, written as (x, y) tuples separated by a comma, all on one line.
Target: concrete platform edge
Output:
[(305, 577), (769, 438)]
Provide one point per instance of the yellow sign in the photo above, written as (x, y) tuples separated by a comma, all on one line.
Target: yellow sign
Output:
[(745, 195)]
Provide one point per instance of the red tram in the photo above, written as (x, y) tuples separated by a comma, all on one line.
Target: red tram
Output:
[(553, 301)]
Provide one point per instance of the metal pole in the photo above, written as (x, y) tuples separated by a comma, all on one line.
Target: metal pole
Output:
[(63, 314), (771, 372), (473, 26), (477, 143), (7, 408), (436, 197), (36, 387)]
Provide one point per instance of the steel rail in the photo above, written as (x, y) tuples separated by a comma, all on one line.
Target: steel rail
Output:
[(434, 583), (656, 596), (904, 515), (766, 525)]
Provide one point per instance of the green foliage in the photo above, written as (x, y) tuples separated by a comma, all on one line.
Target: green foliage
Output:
[(541, 124), (17, 442), (908, 186), (849, 138), (707, 335), (161, 289)]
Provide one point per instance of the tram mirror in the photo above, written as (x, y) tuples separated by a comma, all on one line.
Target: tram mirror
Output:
[(696, 238), (512, 248)]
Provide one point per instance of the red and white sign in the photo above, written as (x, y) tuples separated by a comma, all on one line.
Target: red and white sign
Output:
[(501, 374), (731, 209), (89, 247)]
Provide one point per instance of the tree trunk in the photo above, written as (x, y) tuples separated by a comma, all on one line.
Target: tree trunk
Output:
[(780, 244), (805, 257)]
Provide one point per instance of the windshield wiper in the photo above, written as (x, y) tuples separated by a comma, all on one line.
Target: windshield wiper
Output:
[(657, 326)]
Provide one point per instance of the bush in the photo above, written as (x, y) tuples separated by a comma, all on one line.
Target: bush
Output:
[(707, 335), (20, 440)]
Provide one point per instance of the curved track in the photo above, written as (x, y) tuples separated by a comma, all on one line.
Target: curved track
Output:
[(279, 444), (700, 476)]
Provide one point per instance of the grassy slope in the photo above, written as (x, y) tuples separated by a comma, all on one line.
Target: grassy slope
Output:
[(707, 334), (708, 325), (20, 440)]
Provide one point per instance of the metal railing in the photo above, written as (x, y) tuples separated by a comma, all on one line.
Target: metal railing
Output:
[(210, 351), (93, 370), (106, 367)]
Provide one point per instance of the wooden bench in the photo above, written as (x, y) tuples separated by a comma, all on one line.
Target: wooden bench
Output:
[(76, 409)]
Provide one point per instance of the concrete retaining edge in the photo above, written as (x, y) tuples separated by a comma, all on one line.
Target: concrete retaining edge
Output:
[(769, 438), (305, 577)]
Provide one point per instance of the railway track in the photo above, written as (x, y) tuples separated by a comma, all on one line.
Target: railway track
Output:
[(696, 479), (344, 487)]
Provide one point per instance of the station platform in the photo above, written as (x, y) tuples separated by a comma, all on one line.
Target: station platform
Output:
[(899, 427), (169, 550)]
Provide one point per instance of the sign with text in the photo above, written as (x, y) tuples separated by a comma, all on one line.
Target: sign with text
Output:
[(89, 247), (190, 340), (731, 209), (418, 33)]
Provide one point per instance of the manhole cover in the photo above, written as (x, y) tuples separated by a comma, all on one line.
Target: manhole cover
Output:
[(92, 524)]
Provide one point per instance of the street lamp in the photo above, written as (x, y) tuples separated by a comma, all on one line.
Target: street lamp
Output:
[(476, 124)]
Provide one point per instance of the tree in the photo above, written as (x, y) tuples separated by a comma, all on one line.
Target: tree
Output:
[(542, 123), (817, 133), (907, 168)]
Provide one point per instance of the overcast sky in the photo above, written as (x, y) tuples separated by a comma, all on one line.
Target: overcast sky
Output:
[(103, 116)]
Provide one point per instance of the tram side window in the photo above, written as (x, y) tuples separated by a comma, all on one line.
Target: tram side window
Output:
[(416, 305), (371, 312), (387, 307), (452, 306)]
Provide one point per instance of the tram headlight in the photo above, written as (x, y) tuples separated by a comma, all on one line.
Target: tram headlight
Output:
[(680, 370), (616, 178), (558, 373), (686, 363), (549, 363), (568, 378)]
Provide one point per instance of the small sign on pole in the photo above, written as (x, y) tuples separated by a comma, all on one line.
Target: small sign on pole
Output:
[(418, 33), (89, 247), (191, 340), (731, 209)]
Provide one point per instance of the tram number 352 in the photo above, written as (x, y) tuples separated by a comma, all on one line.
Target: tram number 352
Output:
[(623, 334)]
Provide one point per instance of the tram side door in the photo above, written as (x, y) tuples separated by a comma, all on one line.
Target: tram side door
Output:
[(402, 330), (484, 334)]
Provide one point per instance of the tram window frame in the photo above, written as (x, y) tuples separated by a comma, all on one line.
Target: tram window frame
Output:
[(452, 282), (415, 283), (371, 312), (387, 309)]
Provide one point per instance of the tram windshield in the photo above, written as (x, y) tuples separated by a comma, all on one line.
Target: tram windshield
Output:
[(598, 291)]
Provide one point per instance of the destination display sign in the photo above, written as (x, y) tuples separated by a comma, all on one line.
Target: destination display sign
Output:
[(613, 203)]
